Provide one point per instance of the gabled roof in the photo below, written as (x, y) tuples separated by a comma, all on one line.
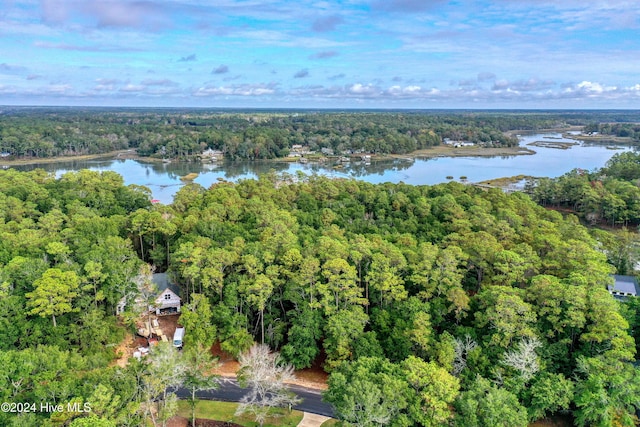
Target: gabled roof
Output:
[(162, 282), (174, 296)]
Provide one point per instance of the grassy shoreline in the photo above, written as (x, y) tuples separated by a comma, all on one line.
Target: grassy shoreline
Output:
[(448, 151), (125, 154)]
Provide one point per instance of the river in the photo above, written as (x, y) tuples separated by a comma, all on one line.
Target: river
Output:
[(164, 178)]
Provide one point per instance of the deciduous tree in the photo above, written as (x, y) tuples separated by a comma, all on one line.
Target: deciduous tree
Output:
[(264, 374)]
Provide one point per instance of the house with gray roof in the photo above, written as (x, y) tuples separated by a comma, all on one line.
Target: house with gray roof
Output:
[(167, 300), (624, 287)]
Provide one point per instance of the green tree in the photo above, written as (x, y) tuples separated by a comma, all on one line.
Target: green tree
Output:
[(92, 421), (548, 394), (504, 315), (621, 248), (95, 273), (339, 291), (369, 392), (384, 278), (342, 329), (608, 393), (303, 336), (485, 405), (257, 293), (433, 391), (53, 293), (197, 318)]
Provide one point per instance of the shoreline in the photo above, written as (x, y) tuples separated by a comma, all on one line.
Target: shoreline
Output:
[(437, 151), (425, 153), (447, 151), (123, 154), (534, 131)]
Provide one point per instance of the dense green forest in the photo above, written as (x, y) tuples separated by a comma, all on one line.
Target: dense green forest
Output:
[(608, 195), (264, 134), (428, 305)]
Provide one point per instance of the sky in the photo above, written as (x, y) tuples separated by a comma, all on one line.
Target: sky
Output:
[(503, 54)]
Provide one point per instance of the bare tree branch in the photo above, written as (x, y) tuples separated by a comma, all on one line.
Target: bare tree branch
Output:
[(265, 375), (524, 358)]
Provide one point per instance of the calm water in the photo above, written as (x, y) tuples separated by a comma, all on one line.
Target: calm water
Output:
[(164, 178)]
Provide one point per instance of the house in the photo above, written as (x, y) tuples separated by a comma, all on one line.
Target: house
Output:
[(212, 155), (624, 287), (167, 300), (457, 144)]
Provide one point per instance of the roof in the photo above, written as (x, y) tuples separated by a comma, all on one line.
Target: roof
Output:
[(628, 285), (163, 282)]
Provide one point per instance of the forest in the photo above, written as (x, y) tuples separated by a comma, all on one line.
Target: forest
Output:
[(32, 133), (608, 196), (624, 130), (427, 305)]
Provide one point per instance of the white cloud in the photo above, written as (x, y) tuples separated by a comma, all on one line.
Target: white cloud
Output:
[(590, 87), (237, 90), (59, 89), (358, 88), (131, 88)]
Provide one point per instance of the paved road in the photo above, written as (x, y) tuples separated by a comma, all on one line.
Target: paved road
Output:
[(230, 391)]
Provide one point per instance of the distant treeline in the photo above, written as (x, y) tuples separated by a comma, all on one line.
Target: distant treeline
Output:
[(264, 134), (624, 130)]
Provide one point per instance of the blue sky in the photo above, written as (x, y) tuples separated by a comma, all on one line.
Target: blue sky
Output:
[(321, 54)]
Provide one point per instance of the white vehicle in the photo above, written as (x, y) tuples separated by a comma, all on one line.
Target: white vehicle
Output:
[(177, 337)]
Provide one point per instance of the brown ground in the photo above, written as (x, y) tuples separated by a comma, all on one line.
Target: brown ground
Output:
[(314, 377), (125, 350), (168, 324), (131, 342), (555, 421), (178, 421)]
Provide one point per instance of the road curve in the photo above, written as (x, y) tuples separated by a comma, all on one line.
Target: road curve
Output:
[(230, 391)]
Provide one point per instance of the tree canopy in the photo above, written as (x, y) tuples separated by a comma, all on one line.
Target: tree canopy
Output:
[(469, 307)]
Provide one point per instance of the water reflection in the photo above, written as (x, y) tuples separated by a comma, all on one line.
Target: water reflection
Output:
[(164, 178)]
